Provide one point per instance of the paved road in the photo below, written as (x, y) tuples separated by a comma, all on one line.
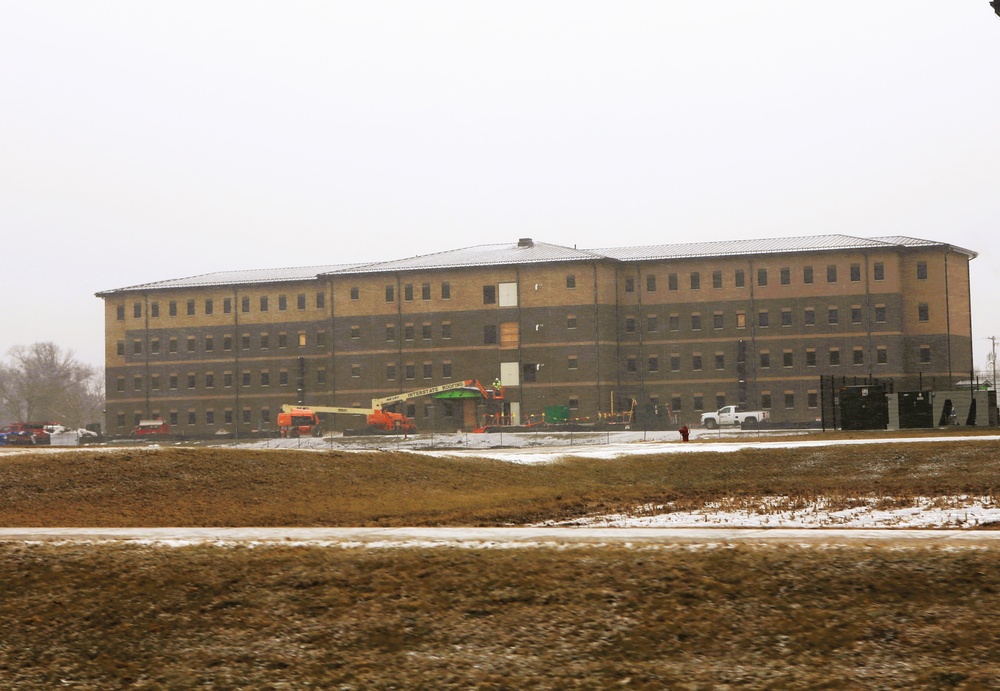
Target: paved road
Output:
[(505, 537)]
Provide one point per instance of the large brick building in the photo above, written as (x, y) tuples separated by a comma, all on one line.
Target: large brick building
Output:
[(695, 326)]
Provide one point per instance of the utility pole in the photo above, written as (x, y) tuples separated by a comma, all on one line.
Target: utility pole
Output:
[(992, 359)]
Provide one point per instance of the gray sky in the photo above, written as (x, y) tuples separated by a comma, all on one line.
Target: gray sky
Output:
[(141, 141)]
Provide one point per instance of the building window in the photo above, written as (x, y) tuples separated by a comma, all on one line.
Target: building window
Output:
[(630, 325), (785, 276), (571, 322), (810, 357), (227, 305), (264, 341), (765, 400), (154, 382), (834, 357), (571, 281), (923, 312), (121, 347), (282, 304), (786, 317), (695, 280), (190, 308), (282, 340), (173, 382), (675, 362), (571, 362), (653, 363), (264, 303), (445, 330), (833, 315), (137, 310), (630, 364), (390, 332), (410, 371), (190, 344), (880, 314), (696, 322), (831, 273), (699, 402), (859, 356), (490, 334), (446, 291), (154, 310), (300, 301), (509, 335), (320, 301), (672, 282), (881, 355), (425, 331), (741, 320), (245, 304), (629, 284), (321, 339), (302, 339), (720, 362), (390, 293), (720, 400), (856, 314), (763, 320), (787, 359), (191, 380), (446, 370), (762, 277), (739, 278), (120, 313), (390, 372), (137, 347), (408, 332), (489, 295), (674, 322), (408, 292), (245, 378), (765, 359), (812, 399), (227, 380), (355, 293), (154, 346), (809, 317), (716, 279), (925, 354), (209, 380), (172, 308), (425, 291), (209, 306), (807, 275), (283, 378), (652, 323), (879, 271), (922, 271), (650, 283), (696, 362), (227, 416), (718, 321), (227, 342), (676, 404), (355, 370), (245, 342), (855, 273), (789, 400), (428, 370)]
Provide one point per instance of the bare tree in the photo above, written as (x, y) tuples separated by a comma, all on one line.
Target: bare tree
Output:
[(44, 383)]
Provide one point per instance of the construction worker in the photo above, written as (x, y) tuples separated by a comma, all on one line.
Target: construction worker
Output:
[(496, 386)]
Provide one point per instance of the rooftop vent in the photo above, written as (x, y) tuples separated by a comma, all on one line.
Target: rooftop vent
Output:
[(525, 242)]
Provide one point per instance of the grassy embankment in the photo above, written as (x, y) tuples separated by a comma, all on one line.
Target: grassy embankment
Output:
[(228, 487)]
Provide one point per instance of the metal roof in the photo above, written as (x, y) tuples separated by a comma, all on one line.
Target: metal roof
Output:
[(735, 248), (524, 252), (240, 277)]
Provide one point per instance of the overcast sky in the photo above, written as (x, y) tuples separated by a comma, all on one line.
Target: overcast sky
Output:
[(142, 141)]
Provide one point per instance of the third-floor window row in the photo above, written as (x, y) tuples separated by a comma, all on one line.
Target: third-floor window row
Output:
[(210, 344), (718, 320)]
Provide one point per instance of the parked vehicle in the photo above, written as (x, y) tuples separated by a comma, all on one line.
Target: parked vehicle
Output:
[(25, 433), (147, 429), (732, 415)]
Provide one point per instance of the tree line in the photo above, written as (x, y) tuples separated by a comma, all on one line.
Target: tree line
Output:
[(44, 383)]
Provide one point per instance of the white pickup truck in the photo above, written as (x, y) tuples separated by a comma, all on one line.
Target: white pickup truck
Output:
[(729, 415)]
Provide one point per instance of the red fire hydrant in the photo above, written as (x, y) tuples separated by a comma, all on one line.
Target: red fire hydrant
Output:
[(685, 432)]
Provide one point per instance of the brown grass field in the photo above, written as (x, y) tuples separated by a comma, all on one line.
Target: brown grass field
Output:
[(125, 616)]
